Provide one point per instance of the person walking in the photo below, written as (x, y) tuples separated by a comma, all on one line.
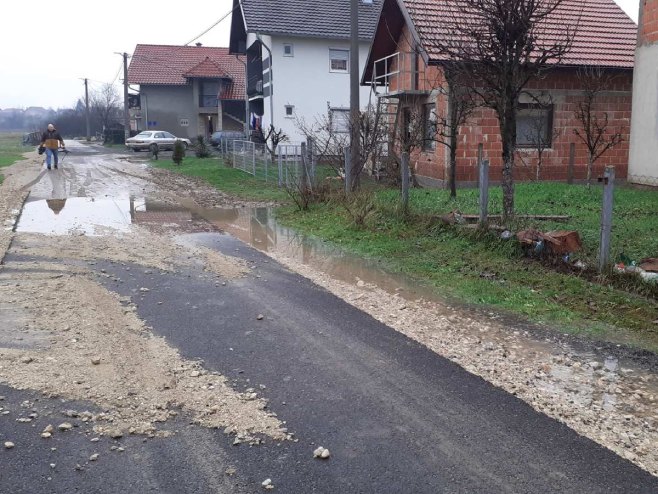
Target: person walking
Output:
[(51, 140)]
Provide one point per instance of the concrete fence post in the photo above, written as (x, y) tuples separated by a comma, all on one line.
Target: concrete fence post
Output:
[(348, 170), (480, 156), (280, 160), (608, 180), (304, 156), (484, 193)]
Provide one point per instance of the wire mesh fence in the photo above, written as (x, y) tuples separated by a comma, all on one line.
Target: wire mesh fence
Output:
[(288, 166)]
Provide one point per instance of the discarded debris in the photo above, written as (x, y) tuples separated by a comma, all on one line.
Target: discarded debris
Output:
[(322, 453), (558, 242), (453, 218)]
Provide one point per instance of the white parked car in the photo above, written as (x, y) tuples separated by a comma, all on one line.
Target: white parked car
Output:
[(149, 139)]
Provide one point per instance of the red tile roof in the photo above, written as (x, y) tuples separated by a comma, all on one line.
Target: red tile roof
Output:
[(208, 69), (605, 35), (171, 65)]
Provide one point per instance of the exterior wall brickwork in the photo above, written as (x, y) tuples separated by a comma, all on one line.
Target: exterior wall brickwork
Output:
[(565, 91), (648, 22)]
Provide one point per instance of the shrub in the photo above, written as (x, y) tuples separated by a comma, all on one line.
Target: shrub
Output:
[(179, 152), (201, 148)]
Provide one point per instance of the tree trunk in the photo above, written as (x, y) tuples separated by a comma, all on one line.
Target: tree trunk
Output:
[(508, 132), (590, 165), (453, 166)]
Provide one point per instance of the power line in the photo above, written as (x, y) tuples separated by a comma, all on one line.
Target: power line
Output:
[(214, 24)]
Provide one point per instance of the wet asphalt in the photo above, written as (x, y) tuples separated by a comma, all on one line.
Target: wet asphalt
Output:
[(396, 417)]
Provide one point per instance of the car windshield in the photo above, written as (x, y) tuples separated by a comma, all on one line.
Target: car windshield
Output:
[(144, 134)]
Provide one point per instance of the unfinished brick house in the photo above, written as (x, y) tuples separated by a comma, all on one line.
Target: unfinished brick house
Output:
[(405, 70)]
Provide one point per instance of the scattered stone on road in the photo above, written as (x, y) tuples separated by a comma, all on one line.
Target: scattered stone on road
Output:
[(96, 360), (65, 426), (49, 428), (94, 457), (322, 453), (27, 360), (267, 483), (260, 317), (9, 445)]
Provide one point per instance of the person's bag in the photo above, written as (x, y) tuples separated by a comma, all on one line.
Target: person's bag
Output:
[(41, 150)]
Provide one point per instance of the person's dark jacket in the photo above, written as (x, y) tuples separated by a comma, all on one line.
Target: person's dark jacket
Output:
[(51, 139)]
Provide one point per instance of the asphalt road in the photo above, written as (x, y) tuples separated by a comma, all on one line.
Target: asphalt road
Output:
[(396, 417)]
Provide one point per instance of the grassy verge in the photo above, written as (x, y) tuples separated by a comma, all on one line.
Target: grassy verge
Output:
[(487, 271), (11, 150), (234, 182)]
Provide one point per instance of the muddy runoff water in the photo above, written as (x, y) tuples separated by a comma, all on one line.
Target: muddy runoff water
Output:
[(600, 394)]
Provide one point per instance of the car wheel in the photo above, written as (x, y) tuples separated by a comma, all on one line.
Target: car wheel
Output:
[(185, 146)]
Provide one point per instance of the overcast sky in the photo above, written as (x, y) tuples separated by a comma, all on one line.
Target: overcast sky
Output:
[(47, 47)]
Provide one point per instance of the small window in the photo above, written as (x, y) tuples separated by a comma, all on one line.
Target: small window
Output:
[(290, 110), (340, 120), (288, 50), (339, 60), (429, 127), (159, 135), (534, 125)]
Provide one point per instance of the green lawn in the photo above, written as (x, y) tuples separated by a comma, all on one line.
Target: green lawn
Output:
[(487, 271), (11, 150), (230, 180), (483, 269)]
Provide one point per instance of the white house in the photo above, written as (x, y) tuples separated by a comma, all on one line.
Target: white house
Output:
[(298, 59)]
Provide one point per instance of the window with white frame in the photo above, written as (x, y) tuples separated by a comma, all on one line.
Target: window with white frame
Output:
[(339, 60), (288, 50), (290, 111), (340, 120)]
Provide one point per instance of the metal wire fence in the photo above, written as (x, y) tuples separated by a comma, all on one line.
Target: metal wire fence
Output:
[(287, 166)]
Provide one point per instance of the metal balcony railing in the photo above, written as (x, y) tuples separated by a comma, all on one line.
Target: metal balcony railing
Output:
[(400, 73)]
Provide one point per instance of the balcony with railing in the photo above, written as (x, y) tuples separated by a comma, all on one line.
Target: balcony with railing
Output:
[(401, 74)]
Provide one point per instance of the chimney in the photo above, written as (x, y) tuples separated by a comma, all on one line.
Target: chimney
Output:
[(199, 44), (643, 156)]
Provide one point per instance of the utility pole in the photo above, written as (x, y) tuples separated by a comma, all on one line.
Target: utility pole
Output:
[(126, 113), (87, 110), (355, 151)]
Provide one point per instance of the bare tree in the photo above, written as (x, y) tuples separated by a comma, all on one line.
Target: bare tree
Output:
[(497, 47), (331, 136), (106, 104), (594, 125), (461, 105), (272, 140)]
